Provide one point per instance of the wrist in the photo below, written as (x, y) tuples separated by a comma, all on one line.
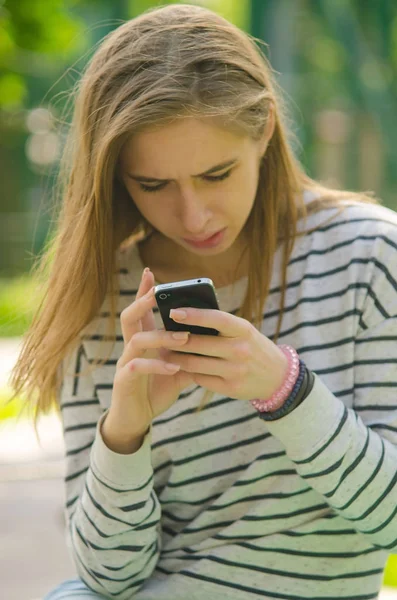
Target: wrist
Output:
[(291, 375), (118, 440), (298, 383), (295, 399)]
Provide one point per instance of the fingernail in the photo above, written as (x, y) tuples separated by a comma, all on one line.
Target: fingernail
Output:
[(181, 335), (146, 270), (171, 367), (178, 314)]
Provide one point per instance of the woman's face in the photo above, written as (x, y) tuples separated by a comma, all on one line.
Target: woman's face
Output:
[(174, 177)]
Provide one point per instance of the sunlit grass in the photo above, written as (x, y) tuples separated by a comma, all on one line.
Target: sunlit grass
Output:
[(17, 408), (9, 410), (390, 576)]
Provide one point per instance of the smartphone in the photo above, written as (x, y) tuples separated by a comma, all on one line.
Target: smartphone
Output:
[(197, 293)]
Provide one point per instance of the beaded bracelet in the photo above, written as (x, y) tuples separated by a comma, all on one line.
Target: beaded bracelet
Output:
[(281, 394), (300, 392), (295, 388)]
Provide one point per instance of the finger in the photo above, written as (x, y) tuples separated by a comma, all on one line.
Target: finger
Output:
[(158, 339), (213, 383), (209, 345), (130, 317), (143, 285), (204, 366), (144, 366), (146, 341), (148, 322), (228, 325)]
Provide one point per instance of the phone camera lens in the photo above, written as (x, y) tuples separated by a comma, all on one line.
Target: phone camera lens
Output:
[(163, 296)]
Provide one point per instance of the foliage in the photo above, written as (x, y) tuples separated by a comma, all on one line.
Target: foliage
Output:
[(33, 37), (36, 36), (236, 11)]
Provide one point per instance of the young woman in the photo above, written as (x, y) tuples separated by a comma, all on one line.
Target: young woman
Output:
[(281, 482)]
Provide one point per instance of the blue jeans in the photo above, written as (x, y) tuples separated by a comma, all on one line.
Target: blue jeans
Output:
[(73, 589)]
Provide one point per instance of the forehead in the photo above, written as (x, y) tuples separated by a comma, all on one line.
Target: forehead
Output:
[(188, 141)]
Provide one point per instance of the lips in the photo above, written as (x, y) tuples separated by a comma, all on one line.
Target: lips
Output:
[(203, 239)]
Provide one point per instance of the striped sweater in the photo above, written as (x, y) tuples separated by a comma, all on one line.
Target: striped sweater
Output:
[(221, 504)]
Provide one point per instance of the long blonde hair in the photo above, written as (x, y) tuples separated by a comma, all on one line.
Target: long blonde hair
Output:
[(170, 62)]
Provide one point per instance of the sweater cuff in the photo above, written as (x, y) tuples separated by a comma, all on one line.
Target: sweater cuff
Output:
[(123, 470), (310, 424)]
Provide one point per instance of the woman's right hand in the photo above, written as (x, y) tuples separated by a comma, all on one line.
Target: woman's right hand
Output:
[(143, 387)]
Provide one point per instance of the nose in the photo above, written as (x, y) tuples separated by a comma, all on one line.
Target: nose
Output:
[(194, 213)]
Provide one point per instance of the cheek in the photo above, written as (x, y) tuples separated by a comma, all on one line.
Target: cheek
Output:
[(240, 197), (251, 185), (153, 208)]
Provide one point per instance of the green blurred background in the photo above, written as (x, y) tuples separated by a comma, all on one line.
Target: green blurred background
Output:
[(335, 59)]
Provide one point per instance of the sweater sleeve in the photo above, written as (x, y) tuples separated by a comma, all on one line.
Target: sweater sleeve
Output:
[(112, 511), (349, 455)]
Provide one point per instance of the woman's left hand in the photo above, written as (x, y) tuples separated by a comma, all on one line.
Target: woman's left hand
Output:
[(240, 362)]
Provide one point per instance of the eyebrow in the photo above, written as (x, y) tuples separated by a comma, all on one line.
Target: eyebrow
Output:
[(223, 165)]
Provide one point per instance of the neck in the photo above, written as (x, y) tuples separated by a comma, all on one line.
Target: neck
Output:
[(173, 262)]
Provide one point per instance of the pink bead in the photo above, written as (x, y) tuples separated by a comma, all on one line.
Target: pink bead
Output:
[(280, 395)]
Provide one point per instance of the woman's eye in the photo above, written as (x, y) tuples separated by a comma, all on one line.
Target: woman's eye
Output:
[(148, 188), (157, 188), (218, 177)]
